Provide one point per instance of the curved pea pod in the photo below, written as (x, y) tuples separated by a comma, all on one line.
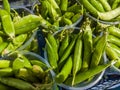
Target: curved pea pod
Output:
[(105, 5), (97, 5), (115, 4), (114, 31), (88, 46), (3, 46), (7, 23), (4, 63), (6, 6), (67, 51), (110, 14), (64, 45), (53, 44), (10, 48), (81, 76), (19, 40), (26, 24), (6, 72), (77, 57), (17, 83), (115, 48), (89, 7), (65, 71), (113, 39), (112, 55), (99, 50), (50, 54)]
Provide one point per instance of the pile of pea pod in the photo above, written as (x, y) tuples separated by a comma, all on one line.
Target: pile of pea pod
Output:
[(108, 10), (74, 44), (20, 71)]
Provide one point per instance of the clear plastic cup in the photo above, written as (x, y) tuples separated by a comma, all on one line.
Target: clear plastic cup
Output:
[(83, 85)]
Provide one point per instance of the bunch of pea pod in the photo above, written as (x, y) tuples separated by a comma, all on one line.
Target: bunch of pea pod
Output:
[(58, 13), (108, 10), (20, 71), (16, 30), (75, 55), (113, 46)]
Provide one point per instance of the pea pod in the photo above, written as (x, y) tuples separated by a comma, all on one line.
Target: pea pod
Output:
[(65, 71), (4, 63), (112, 55), (98, 52), (80, 77), (105, 4), (97, 5), (50, 54), (67, 51), (7, 23), (32, 21), (77, 58), (88, 46), (113, 39), (6, 5), (17, 83), (63, 5), (64, 45), (6, 72), (114, 31), (110, 14), (115, 4), (53, 44)]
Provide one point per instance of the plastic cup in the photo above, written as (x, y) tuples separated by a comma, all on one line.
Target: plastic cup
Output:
[(83, 85)]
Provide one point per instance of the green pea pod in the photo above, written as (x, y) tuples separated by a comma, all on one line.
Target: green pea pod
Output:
[(99, 50), (112, 55), (3, 46), (19, 40), (114, 31), (17, 83), (50, 54), (64, 45), (5, 87), (115, 4), (77, 57), (4, 63), (7, 23), (113, 39), (81, 76), (9, 49), (105, 4), (66, 21), (97, 5), (32, 21), (89, 7), (110, 14), (6, 5), (6, 72), (115, 48), (88, 46), (65, 71), (53, 44), (67, 51), (63, 5)]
